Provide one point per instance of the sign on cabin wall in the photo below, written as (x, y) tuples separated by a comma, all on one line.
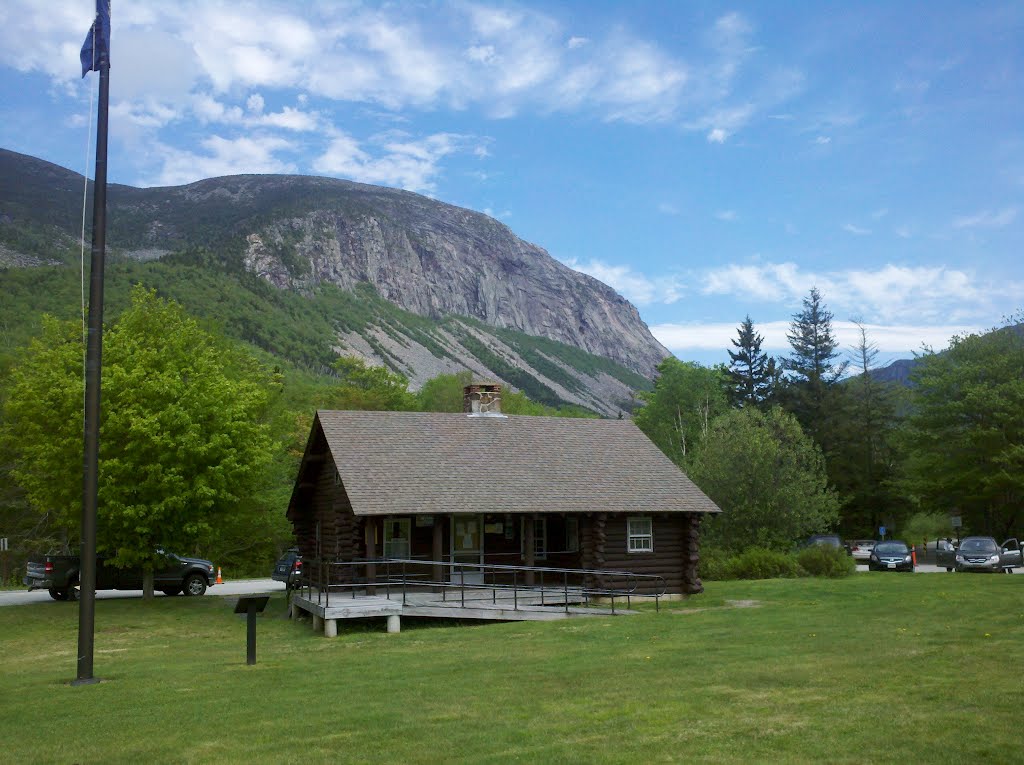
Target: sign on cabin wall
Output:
[(424, 521), (494, 528)]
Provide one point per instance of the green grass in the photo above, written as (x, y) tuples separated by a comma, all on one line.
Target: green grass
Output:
[(875, 667)]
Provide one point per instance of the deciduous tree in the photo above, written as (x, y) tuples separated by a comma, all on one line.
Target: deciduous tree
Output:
[(678, 412), (769, 479), (182, 438)]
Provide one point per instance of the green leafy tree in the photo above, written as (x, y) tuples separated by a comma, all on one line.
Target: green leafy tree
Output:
[(677, 414), (364, 387), (769, 479), (444, 393), (752, 372), (965, 434), (183, 445)]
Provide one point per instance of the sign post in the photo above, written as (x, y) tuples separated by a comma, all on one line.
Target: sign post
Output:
[(250, 605)]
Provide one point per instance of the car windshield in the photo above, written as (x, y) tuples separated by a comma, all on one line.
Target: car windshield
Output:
[(979, 545), (891, 548)]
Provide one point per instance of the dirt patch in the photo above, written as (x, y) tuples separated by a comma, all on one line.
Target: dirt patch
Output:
[(728, 604)]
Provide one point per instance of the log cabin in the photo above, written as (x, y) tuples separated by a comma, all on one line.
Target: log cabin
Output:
[(482, 487)]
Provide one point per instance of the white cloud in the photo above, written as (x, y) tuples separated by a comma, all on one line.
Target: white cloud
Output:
[(223, 157), (667, 208), (726, 215), (987, 219), (576, 42), (255, 103), (856, 230), (889, 338), (634, 286), (412, 164), (823, 140), (717, 136), (889, 294)]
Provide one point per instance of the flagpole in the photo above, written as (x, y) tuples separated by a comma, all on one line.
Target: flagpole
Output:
[(93, 368)]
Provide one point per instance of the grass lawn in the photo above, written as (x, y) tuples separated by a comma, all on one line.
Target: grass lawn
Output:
[(877, 667)]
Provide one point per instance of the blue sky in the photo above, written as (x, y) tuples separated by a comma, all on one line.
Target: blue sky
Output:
[(708, 160)]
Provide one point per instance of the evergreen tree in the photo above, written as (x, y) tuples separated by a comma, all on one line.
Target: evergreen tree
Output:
[(752, 373), (813, 368)]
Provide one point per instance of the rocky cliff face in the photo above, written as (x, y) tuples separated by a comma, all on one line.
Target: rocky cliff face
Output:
[(437, 260), (299, 232)]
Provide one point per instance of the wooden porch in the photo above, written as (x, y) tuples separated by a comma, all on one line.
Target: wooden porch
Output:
[(462, 596)]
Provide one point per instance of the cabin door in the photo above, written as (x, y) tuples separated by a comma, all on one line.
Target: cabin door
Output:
[(467, 547)]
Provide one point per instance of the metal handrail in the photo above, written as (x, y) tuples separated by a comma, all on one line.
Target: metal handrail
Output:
[(402, 577)]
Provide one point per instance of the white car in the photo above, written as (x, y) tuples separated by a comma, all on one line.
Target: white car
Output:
[(861, 549)]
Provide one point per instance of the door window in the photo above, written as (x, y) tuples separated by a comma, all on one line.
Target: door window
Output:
[(396, 538)]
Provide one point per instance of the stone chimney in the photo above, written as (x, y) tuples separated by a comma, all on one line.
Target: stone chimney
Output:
[(482, 400)]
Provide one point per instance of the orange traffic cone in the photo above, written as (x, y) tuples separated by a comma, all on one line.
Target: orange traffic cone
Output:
[(219, 580)]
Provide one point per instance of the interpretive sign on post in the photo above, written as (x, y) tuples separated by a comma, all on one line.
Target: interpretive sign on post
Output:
[(955, 521), (250, 605)]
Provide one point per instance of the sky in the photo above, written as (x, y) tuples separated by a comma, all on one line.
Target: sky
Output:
[(707, 160)]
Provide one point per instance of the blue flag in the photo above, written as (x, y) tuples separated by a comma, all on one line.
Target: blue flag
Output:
[(96, 50)]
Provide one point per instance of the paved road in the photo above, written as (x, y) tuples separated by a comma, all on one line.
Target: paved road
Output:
[(922, 568), (239, 587)]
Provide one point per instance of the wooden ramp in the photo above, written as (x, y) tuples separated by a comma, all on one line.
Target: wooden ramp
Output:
[(482, 604)]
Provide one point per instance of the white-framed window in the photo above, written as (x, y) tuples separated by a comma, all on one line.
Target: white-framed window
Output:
[(639, 534), (540, 538), (572, 535)]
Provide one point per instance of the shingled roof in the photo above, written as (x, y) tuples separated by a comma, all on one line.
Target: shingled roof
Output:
[(398, 463)]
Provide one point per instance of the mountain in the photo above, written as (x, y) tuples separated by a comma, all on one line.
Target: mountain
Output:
[(495, 304), (899, 371)]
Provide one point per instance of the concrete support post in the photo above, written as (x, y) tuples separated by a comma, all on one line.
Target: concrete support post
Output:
[(318, 623), (330, 628), (394, 623)]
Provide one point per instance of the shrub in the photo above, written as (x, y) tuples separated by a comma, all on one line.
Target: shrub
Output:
[(824, 560), (714, 565), (761, 563)]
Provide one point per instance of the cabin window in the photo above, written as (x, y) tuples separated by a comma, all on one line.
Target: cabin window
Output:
[(640, 533), (540, 538), (572, 535)]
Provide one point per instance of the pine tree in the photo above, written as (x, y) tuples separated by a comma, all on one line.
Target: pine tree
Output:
[(812, 367), (752, 373)]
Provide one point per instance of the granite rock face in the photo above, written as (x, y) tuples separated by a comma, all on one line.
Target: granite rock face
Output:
[(437, 260), (299, 232)]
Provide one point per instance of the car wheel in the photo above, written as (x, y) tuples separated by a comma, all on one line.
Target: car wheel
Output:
[(194, 584), (58, 594), (72, 590), (949, 569), (170, 590)]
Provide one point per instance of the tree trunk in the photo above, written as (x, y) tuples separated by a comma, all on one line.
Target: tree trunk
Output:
[(147, 583)]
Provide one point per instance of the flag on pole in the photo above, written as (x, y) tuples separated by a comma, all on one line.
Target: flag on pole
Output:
[(96, 49)]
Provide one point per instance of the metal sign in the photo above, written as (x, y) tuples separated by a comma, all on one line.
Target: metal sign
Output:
[(955, 521), (881, 531), (3, 544)]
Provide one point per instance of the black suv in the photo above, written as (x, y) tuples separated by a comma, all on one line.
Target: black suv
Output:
[(288, 568)]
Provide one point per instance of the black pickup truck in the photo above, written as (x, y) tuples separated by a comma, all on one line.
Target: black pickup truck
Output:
[(59, 574)]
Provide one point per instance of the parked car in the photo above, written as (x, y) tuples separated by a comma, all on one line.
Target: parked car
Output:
[(59, 574), (892, 555), (830, 540), (984, 554), (861, 549), (288, 568)]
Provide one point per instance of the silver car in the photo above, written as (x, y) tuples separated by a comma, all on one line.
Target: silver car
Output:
[(984, 554)]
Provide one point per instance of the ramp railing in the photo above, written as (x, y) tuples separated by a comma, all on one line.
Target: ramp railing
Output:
[(517, 586)]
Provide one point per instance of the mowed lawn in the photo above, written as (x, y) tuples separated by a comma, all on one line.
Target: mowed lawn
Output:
[(877, 667)]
